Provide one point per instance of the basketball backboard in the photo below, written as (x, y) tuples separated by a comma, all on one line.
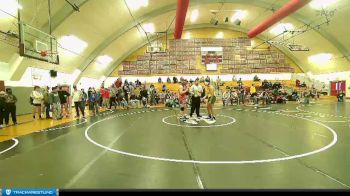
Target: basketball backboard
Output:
[(37, 44)]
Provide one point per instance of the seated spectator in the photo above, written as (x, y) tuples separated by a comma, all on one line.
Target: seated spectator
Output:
[(164, 88), (234, 78), (233, 96), (240, 83), (226, 97), (134, 101), (162, 97), (265, 84), (207, 79), (277, 85), (124, 103), (168, 80), (191, 81), (175, 80), (181, 79), (256, 78), (303, 85), (295, 96), (159, 80), (263, 96)]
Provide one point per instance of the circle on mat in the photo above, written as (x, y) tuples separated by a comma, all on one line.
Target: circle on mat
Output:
[(285, 158), (205, 124), (11, 147)]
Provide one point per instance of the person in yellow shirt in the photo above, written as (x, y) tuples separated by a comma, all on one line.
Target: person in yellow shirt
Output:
[(253, 93)]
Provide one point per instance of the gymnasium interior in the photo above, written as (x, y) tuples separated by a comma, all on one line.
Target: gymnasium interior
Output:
[(279, 71)]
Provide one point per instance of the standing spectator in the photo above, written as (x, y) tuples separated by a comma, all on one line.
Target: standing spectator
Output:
[(152, 95), (341, 96), (93, 101), (105, 97), (144, 96), (64, 95), (77, 99), (46, 102), (112, 99), (55, 101), (118, 83), (84, 99), (126, 92), (253, 94), (241, 95), (2, 108), (11, 101), (131, 88), (37, 98)]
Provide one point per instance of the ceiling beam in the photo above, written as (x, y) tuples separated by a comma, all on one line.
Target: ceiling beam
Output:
[(149, 16), (65, 12), (116, 64)]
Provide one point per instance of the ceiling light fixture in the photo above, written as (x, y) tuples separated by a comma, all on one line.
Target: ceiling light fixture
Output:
[(194, 15)]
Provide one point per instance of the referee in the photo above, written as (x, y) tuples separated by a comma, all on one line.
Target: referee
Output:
[(196, 91)]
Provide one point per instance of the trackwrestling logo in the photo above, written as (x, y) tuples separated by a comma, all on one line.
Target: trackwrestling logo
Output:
[(13, 192)]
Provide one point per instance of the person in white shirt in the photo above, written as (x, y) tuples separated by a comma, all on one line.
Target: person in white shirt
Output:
[(78, 101), (36, 100), (196, 91)]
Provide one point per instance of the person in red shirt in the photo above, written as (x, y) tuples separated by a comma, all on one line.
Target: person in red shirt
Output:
[(105, 97), (118, 83)]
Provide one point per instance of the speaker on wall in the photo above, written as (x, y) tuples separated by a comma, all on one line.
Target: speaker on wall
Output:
[(53, 73)]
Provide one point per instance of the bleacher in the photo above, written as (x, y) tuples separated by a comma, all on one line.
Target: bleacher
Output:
[(175, 87)]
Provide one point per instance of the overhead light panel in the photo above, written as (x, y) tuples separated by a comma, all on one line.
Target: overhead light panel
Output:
[(8, 8), (239, 15), (219, 35), (194, 15), (104, 60), (321, 4), (72, 43), (187, 35), (321, 59), (136, 4), (149, 28), (282, 27)]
